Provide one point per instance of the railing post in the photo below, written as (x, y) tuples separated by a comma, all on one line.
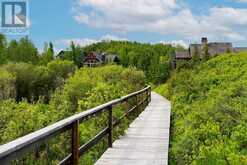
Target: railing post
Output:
[(147, 97), (137, 102), (110, 127), (126, 104), (143, 100), (149, 94), (75, 143)]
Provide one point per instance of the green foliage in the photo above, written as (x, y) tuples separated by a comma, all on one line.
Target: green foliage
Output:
[(38, 82), (80, 86), (31, 81), (206, 54), (3, 47), (48, 54), (87, 88), (61, 69), (209, 115), (163, 90), (154, 60), (22, 51), (23, 118), (7, 85), (74, 53)]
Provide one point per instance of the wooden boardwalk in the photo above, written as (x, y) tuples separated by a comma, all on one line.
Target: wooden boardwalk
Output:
[(146, 142)]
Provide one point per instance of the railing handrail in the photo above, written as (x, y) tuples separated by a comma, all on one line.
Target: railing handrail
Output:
[(60, 126)]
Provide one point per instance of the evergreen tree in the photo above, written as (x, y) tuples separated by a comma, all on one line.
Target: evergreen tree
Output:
[(3, 46), (23, 51), (48, 54), (12, 51)]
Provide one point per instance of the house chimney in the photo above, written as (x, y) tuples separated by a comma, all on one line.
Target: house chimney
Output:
[(204, 41)]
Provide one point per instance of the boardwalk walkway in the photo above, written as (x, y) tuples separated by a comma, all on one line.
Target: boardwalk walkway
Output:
[(146, 141)]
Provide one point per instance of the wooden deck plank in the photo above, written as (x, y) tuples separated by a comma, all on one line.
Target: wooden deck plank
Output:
[(147, 139)]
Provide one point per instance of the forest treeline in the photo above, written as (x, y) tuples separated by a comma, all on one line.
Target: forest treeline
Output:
[(153, 59), (36, 75), (209, 115)]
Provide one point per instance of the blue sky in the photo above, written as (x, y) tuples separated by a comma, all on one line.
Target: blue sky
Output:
[(181, 21)]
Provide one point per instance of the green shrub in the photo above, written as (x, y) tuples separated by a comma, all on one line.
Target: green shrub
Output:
[(7, 85), (209, 114), (163, 90), (80, 86), (39, 82), (89, 87), (29, 80), (62, 69), (19, 119)]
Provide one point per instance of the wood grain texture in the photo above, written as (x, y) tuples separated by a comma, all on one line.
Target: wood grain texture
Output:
[(146, 142)]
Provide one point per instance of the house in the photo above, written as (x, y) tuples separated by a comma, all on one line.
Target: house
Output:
[(94, 59), (213, 49)]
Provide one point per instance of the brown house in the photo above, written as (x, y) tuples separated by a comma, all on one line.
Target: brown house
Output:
[(94, 59)]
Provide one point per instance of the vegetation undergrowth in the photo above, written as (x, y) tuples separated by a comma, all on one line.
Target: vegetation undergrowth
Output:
[(209, 112), (87, 88)]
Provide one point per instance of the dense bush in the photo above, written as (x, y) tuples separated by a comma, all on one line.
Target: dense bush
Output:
[(87, 88), (61, 69), (209, 115), (22, 118), (84, 84), (22, 51), (34, 82), (7, 85), (3, 47)]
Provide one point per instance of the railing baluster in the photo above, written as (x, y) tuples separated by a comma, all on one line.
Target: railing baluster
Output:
[(110, 126), (149, 95), (136, 104), (147, 98), (75, 143)]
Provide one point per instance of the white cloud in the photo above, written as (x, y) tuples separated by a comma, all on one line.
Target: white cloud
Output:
[(112, 38), (82, 42), (176, 43), (64, 43), (242, 1), (123, 15), (165, 17)]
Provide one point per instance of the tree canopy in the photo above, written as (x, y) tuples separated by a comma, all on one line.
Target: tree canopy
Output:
[(154, 60)]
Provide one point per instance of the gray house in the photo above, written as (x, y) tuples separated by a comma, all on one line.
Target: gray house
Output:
[(214, 48)]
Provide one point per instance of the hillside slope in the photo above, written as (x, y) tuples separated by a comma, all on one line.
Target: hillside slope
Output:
[(209, 115)]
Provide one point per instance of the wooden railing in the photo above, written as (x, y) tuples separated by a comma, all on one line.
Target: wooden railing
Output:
[(17, 149)]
